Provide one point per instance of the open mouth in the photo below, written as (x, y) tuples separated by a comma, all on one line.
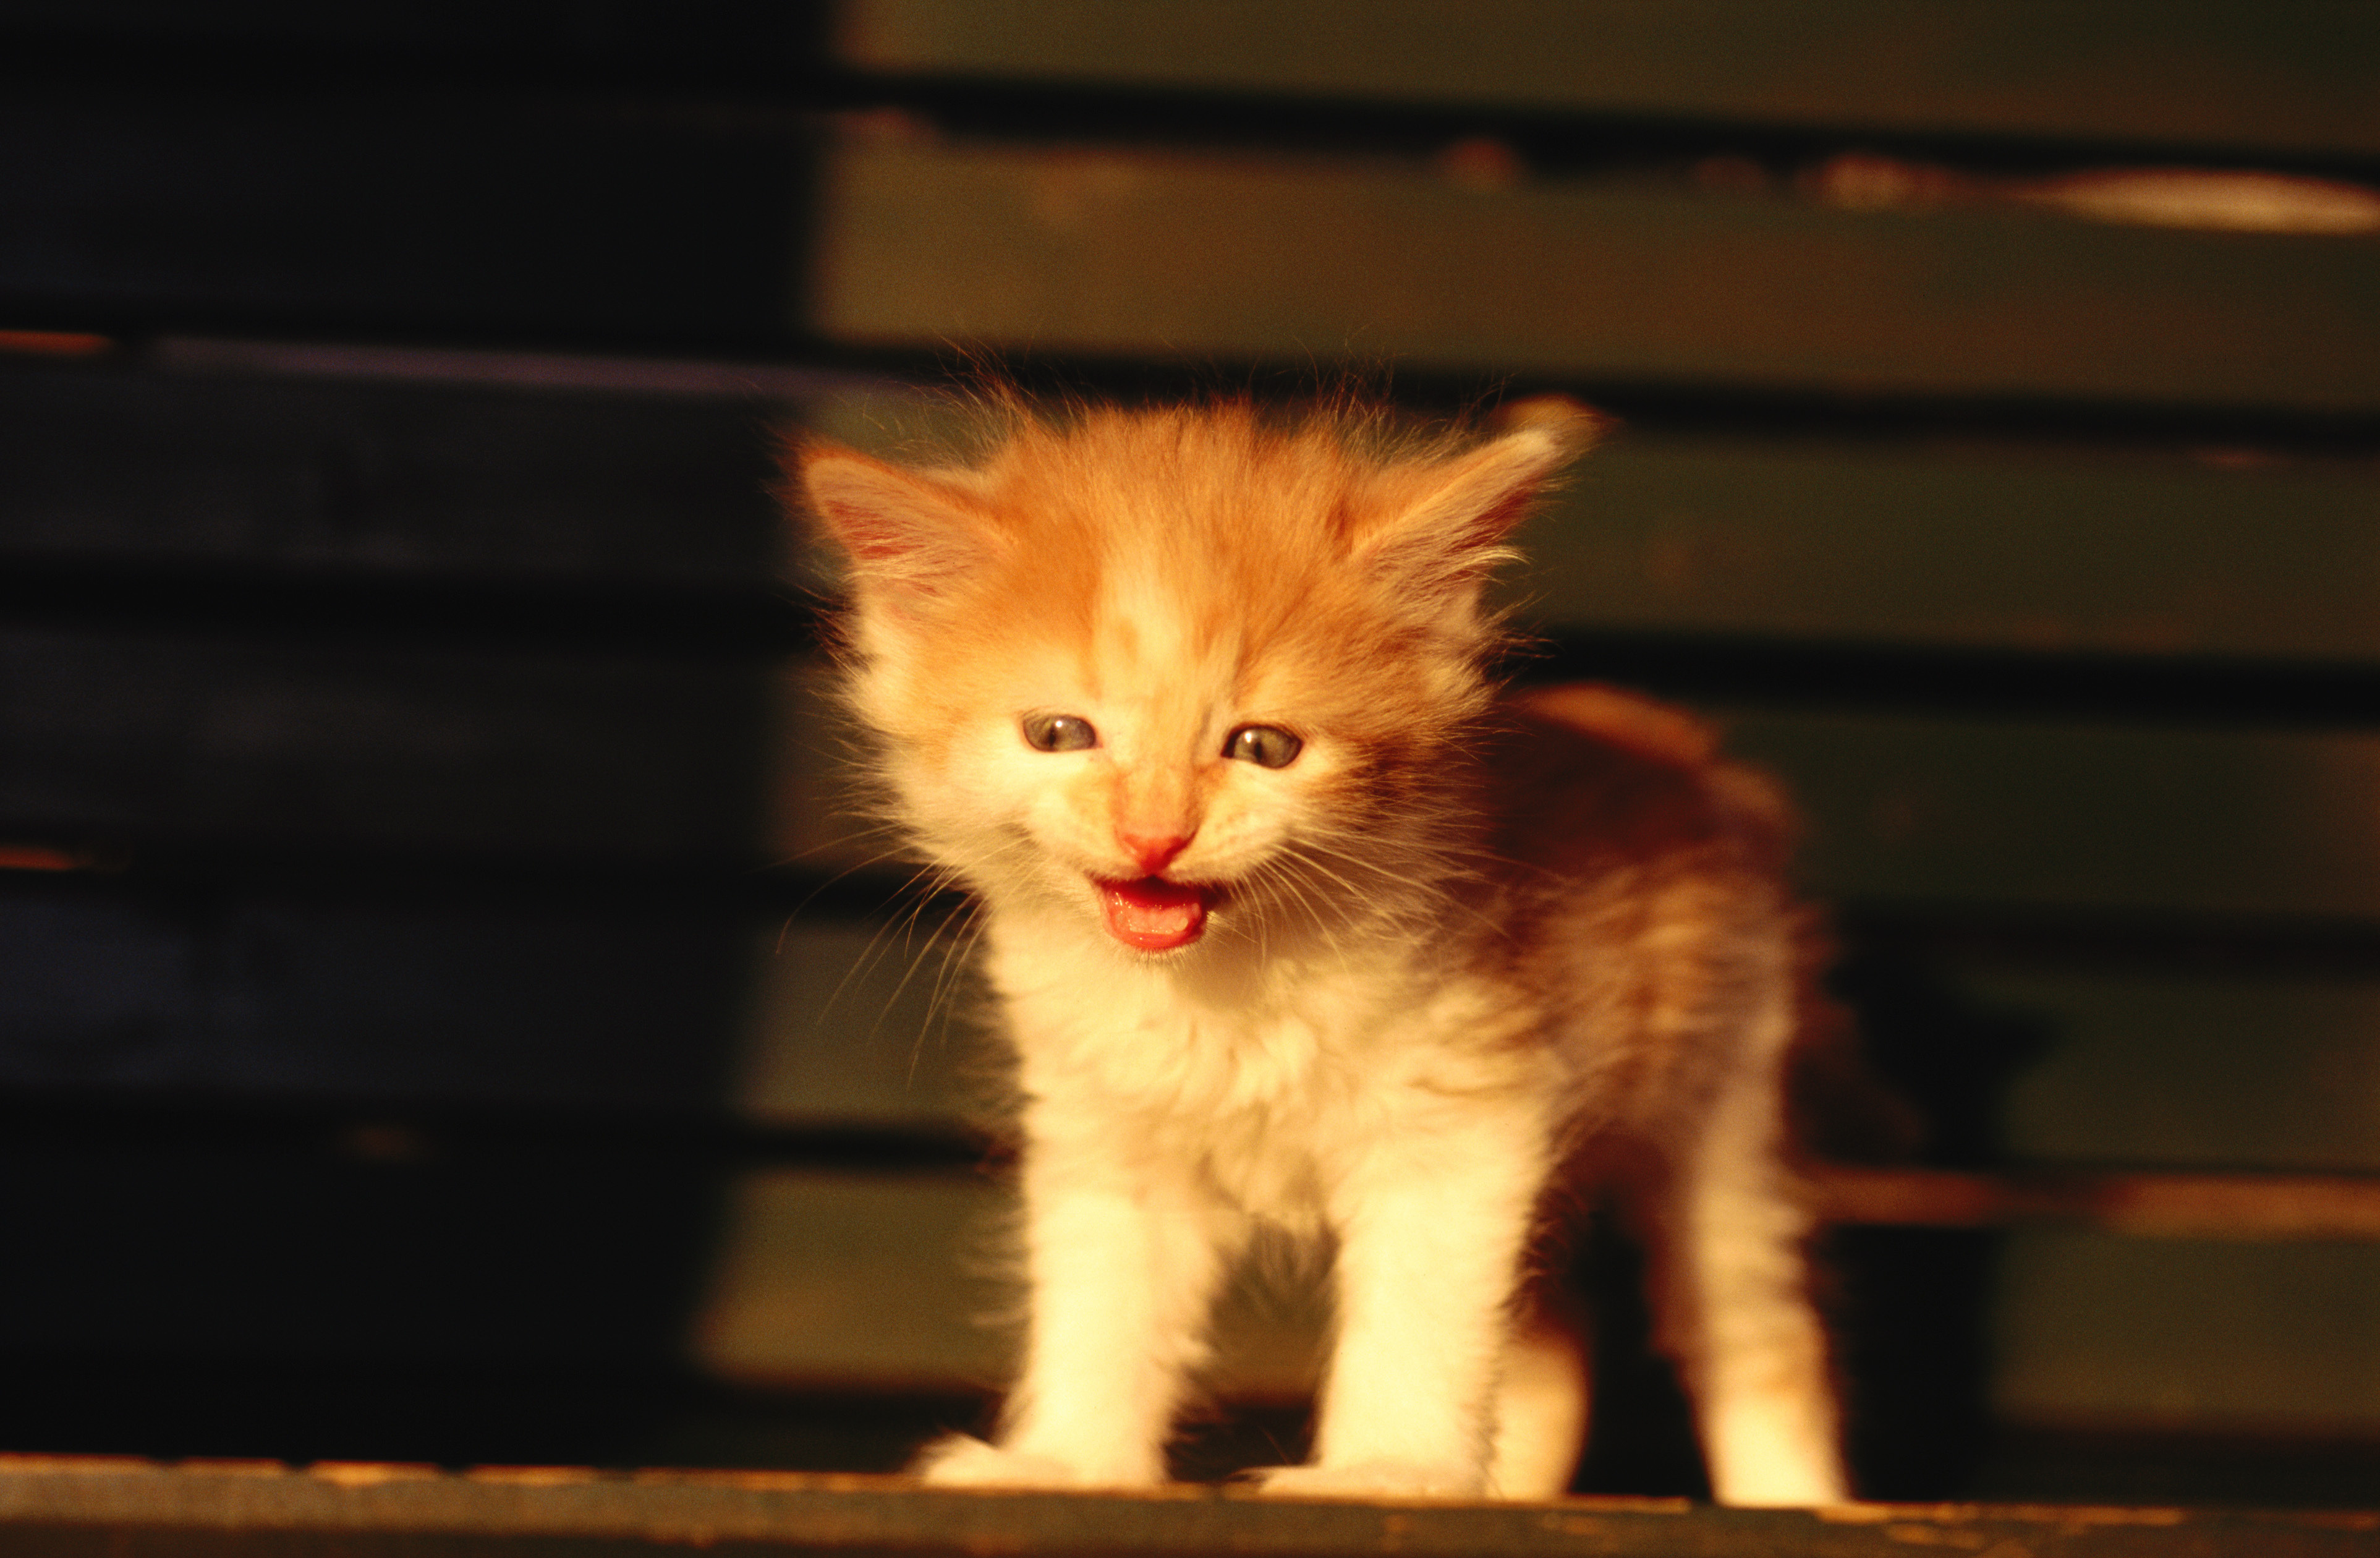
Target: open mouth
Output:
[(1151, 914)]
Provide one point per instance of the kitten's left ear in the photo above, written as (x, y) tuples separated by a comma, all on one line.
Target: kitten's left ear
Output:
[(908, 534), (1454, 532)]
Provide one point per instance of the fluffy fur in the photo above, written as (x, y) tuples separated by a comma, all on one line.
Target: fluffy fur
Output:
[(1404, 994)]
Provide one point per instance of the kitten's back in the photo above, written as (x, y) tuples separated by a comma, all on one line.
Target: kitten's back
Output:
[(1640, 893)]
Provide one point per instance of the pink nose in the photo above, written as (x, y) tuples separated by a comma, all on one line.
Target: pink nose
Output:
[(1154, 851)]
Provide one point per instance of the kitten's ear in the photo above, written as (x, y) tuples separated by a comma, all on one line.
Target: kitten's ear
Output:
[(1454, 532), (906, 534)]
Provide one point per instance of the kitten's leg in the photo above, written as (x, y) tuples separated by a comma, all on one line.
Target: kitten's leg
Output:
[(1122, 1262), (1733, 1290), (1541, 1410), (1432, 1230)]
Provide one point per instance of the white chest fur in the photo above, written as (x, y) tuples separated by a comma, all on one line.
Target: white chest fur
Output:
[(1269, 1077)]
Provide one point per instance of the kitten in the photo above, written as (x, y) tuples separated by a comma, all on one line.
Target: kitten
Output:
[(1295, 921)]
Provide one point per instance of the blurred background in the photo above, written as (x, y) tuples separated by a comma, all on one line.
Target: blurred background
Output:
[(447, 1013)]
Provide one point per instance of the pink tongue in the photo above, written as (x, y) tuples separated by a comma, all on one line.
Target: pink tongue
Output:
[(1153, 914)]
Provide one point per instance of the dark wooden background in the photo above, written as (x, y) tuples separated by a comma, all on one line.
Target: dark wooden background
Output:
[(444, 1014)]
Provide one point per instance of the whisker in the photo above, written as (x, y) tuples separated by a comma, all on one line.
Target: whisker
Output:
[(943, 1000)]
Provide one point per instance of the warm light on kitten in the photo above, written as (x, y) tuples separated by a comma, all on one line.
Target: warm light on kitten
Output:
[(1489, 956)]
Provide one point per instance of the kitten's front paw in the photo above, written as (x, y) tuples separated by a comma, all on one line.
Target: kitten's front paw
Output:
[(1371, 1479), (962, 1461), (959, 1461)]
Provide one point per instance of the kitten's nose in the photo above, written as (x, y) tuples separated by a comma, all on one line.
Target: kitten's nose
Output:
[(1154, 851)]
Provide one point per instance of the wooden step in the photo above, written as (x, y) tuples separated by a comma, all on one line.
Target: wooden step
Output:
[(130, 1509)]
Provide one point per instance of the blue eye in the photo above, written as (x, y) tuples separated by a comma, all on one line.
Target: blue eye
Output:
[(1264, 745), (1059, 733)]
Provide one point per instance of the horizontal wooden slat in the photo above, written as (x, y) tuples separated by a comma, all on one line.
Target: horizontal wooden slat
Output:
[(874, 1025), (364, 1244), (519, 751), (907, 1280), (460, 214), (2158, 1205), (334, 470), (1935, 542), (2038, 545), (2294, 82), (456, 996), (2091, 1329), (2044, 814), (315, 474), (2032, 546), (826, 1279), (1155, 254), (2300, 79), (120, 1507), (2192, 1065), (830, 1280), (533, 38)]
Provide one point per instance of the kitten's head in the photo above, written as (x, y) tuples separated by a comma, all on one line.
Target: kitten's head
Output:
[(1152, 670)]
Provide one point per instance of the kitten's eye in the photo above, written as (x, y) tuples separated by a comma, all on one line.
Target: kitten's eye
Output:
[(1059, 733), (1266, 746)]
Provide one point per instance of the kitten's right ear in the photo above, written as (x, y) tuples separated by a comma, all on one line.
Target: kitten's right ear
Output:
[(1439, 546), (906, 534)]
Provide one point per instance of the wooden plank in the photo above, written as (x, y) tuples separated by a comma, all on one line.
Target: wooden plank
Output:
[(520, 751), (2006, 542), (1998, 544), (2190, 1066), (2212, 1335), (876, 1025), (314, 478), (842, 1279), (2301, 80), (118, 1508), (906, 1281), (2172, 1206), (457, 213), (334, 475), (533, 38), (456, 997), (837, 1280), (1180, 256), (2040, 815), (311, 476), (357, 1239)]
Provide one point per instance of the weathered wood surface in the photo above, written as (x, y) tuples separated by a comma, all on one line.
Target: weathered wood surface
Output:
[(381, 211), (1172, 254), (2303, 78), (2293, 81), (178, 459), (132, 1510), (2051, 544), (315, 469), (444, 987), (2155, 1205), (525, 750), (595, 224)]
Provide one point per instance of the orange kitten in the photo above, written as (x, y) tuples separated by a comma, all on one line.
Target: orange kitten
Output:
[(1294, 921)]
